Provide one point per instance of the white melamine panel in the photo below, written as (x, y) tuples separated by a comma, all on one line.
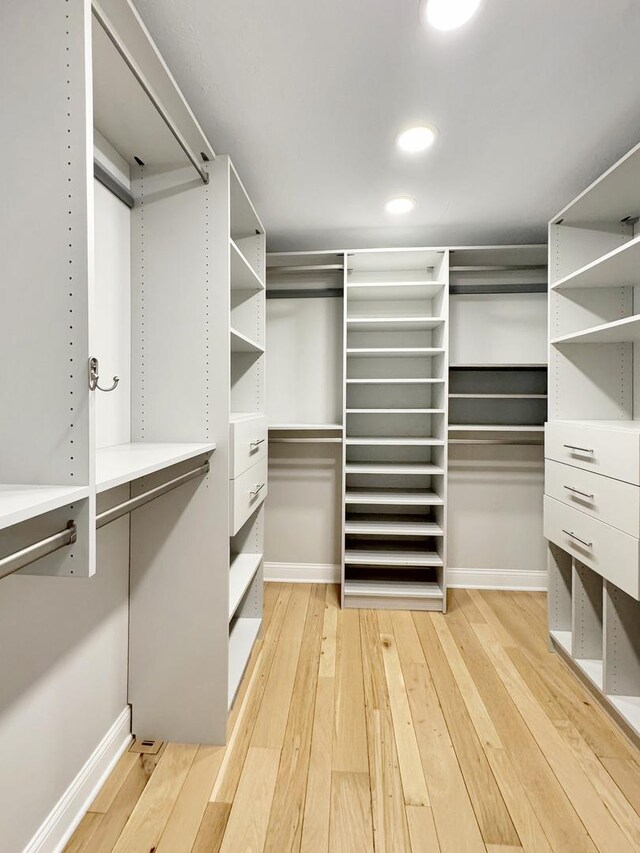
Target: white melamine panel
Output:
[(246, 494), (243, 633), (304, 341), (615, 269), (126, 462), (612, 449), (587, 601), (112, 306), (612, 501), (247, 442), (20, 503), (241, 573), (609, 552), (500, 329), (581, 386)]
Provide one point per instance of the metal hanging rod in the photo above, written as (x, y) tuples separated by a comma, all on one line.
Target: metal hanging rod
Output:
[(298, 293), (489, 289), (112, 184), (499, 268), (497, 441), (104, 22), (20, 559), (126, 507), (305, 441), (306, 268)]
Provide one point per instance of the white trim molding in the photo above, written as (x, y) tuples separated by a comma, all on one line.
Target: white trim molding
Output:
[(507, 579), (302, 573), (73, 804)]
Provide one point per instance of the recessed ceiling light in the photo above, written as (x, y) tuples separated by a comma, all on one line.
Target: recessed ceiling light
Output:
[(416, 139), (401, 204), (447, 14)]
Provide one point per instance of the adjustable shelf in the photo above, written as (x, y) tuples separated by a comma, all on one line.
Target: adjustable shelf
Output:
[(243, 276), (618, 268), (379, 526), (392, 497), (497, 396), (242, 343), (394, 324), (383, 291), (392, 557), (386, 441), (394, 352), (396, 595), (242, 635), (495, 428), (500, 366), (426, 381), (393, 468), (395, 411), (616, 332), (19, 503), (305, 427), (242, 571), (123, 463)]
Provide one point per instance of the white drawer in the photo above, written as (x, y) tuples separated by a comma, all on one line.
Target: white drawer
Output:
[(612, 501), (246, 493), (612, 452), (611, 553), (247, 443)]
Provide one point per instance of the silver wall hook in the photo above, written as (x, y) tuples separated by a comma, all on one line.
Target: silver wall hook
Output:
[(94, 377)]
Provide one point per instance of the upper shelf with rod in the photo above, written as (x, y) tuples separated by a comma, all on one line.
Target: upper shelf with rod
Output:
[(305, 275)]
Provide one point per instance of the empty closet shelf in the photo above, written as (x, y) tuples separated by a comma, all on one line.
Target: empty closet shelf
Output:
[(501, 366), (593, 669), (413, 291), (393, 324), (392, 557), (392, 589), (617, 332), (242, 635), (305, 427), (618, 268), (497, 396), (243, 276), (241, 572), (564, 639), (123, 463), (381, 527), (428, 381), (393, 352), (386, 441), (21, 502), (392, 468), (241, 343), (395, 411), (392, 497), (496, 428)]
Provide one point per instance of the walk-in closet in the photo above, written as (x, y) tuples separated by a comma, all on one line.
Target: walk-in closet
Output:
[(319, 427)]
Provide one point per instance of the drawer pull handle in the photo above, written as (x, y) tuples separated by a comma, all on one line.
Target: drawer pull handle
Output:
[(581, 541), (256, 490), (578, 492), (579, 449), (255, 444)]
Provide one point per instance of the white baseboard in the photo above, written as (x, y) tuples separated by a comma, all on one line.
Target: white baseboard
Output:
[(302, 572), (72, 805), (507, 579)]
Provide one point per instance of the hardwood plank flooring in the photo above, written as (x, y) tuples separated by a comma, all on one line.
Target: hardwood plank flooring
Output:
[(387, 733)]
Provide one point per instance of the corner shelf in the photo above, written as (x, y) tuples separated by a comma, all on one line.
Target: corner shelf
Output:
[(123, 463), (242, 343), (20, 503)]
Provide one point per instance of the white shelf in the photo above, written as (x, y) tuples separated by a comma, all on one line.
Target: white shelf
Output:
[(494, 428), (497, 396), (563, 638), (392, 589), (378, 526), (619, 268), (303, 427), (238, 417), (394, 352), (392, 497), (241, 572), (21, 502), (393, 468), (394, 324), (395, 381), (245, 222), (242, 636), (593, 669), (384, 291), (395, 411), (502, 366), (241, 343), (243, 276), (370, 441), (123, 463), (392, 558), (624, 426), (629, 707), (617, 332)]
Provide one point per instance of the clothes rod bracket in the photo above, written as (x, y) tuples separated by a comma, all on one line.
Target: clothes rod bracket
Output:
[(20, 559), (126, 507)]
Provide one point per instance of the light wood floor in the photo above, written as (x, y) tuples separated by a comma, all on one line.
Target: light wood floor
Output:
[(359, 731)]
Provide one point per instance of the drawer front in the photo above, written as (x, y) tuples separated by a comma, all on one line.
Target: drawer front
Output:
[(611, 553), (248, 441), (614, 453), (246, 493), (612, 501)]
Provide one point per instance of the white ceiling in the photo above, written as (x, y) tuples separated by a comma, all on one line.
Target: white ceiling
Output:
[(533, 100)]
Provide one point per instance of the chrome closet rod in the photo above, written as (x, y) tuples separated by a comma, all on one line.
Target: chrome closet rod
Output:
[(104, 22), (20, 559), (128, 506)]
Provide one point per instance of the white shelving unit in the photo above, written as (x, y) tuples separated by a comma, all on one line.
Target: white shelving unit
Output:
[(594, 433), (395, 416), (123, 463)]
